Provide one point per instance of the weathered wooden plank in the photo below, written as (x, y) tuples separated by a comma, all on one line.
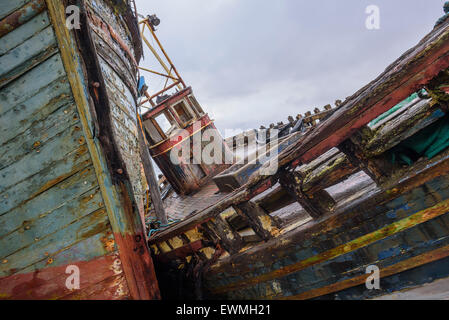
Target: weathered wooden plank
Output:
[(316, 205), (49, 223), (36, 108), (115, 61), (349, 266), (27, 55), (118, 90), (20, 90), (334, 231), (399, 268), (126, 225), (230, 240), (48, 202), (275, 200), (56, 149), (38, 134), (328, 174), (97, 246), (112, 288), (23, 33), (260, 221), (377, 168), (43, 250), (150, 176), (368, 239), (8, 7), (385, 253), (402, 127), (50, 282), (55, 173), (312, 165)]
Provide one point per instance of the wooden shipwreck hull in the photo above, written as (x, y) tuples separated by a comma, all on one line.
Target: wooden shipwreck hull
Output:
[(70, 174), (395, 217)]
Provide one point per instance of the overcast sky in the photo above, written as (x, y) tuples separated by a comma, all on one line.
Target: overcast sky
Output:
[(255, 62)]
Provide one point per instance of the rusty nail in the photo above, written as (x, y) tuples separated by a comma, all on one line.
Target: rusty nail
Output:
[(120, 171), (96, 84)]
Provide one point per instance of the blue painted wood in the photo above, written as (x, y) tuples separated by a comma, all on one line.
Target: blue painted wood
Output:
[(20, 90), (44, 180), (85, 250), (9, 6), (48, 202), (46, 224), (42, 250), (63, 146), (36, 108), (16, 37), (408, 204), (39, 134), (384, 253), (402, 281), (27, 55)]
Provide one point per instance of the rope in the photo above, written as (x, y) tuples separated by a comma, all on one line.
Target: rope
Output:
[(155, 225)]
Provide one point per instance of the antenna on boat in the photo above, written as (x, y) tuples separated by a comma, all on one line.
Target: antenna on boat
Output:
[(171, 74)]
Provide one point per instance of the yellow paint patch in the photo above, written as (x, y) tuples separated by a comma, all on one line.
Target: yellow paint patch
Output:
[(155, 249), (194, 235), (228, 213), (176, 242), (208, 252), (4, 296), (266, 224), (164, 247)]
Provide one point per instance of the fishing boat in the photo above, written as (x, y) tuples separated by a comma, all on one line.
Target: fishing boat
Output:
[(71, 186), (347, 202), (356, 208)]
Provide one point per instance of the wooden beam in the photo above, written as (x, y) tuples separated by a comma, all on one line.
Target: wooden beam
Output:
[(153, 185), (230, 240), (377, 168), (316, 205), (259, 220)]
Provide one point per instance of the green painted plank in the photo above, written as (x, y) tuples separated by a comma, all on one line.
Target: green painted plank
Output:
[(9, 6), (27, 55), (40, 133), (36, 108), (38, 159), (46, 225), (24, 32), (48, 202), (44, 180), (86, 227), (20, 90)]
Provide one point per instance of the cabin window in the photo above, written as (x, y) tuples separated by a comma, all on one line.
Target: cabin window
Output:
[(153, 132), (196, 105), (183, 112), (165, 122)]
